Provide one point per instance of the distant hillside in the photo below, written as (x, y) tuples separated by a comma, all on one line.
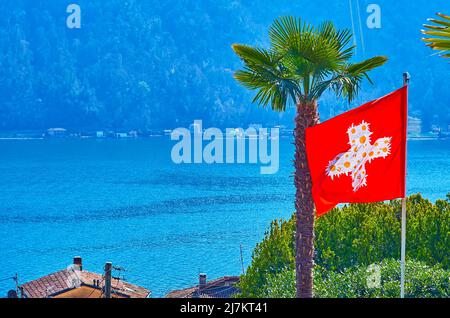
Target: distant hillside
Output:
[(153, 64)]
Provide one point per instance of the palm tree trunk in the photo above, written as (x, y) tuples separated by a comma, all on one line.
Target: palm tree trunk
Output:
[(307, 116)]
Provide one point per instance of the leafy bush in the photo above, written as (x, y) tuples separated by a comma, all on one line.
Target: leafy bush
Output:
[(367, 233), (422, 281), (355, 235), (280, 285), (274, 253)]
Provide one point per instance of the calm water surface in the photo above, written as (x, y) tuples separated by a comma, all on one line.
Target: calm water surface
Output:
[(125, 201)]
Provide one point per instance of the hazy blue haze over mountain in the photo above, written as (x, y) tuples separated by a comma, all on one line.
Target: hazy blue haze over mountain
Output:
[(162, 64)]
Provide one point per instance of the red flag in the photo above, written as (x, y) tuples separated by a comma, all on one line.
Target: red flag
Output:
[(360, 156)]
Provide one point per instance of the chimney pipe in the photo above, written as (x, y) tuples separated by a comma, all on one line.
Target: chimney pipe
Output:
[(12, 294), (201, 281), (78, 262), (108, 276)]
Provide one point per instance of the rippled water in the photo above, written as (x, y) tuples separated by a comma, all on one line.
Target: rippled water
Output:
[(125, 201)]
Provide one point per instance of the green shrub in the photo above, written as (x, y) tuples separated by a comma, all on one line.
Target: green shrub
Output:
[(274, 253), (368, 233), (422, 281), (280, 285), (356, 235)]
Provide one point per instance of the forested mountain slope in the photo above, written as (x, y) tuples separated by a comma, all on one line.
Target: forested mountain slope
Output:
[(146, 64)]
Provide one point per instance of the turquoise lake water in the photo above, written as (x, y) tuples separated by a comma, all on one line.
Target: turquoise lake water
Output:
[(125, 201)]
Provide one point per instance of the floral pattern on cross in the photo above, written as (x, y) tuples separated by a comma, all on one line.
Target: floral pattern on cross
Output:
[(362, 151)]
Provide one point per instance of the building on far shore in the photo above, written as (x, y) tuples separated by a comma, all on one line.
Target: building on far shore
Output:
[(119, 135), (75, 282), (133, 134), (224, 287), (57, 132), (414, 126)]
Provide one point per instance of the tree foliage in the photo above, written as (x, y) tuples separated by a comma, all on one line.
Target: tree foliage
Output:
[(274, 254), (302, 63), (356, 235), (422, 281), (441, 34), (161, 64)]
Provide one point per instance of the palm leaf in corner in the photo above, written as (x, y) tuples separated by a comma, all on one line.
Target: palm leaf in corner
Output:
[(440, 34)]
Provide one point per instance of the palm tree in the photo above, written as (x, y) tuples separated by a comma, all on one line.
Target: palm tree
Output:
[(442, 31), (301, 64)]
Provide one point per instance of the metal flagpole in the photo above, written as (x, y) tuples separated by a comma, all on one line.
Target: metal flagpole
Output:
[(406, 78)]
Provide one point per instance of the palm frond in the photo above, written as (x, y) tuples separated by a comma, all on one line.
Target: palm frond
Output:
[(264, 72), (252, 55), (364, 67), (302, 62), (442, 31), (347, 82)]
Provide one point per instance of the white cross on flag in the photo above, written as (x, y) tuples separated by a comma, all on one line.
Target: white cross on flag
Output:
[(360, 156)]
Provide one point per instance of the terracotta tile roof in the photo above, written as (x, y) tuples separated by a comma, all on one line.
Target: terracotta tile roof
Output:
[(224, 287), (62, 282), (84, 292)]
